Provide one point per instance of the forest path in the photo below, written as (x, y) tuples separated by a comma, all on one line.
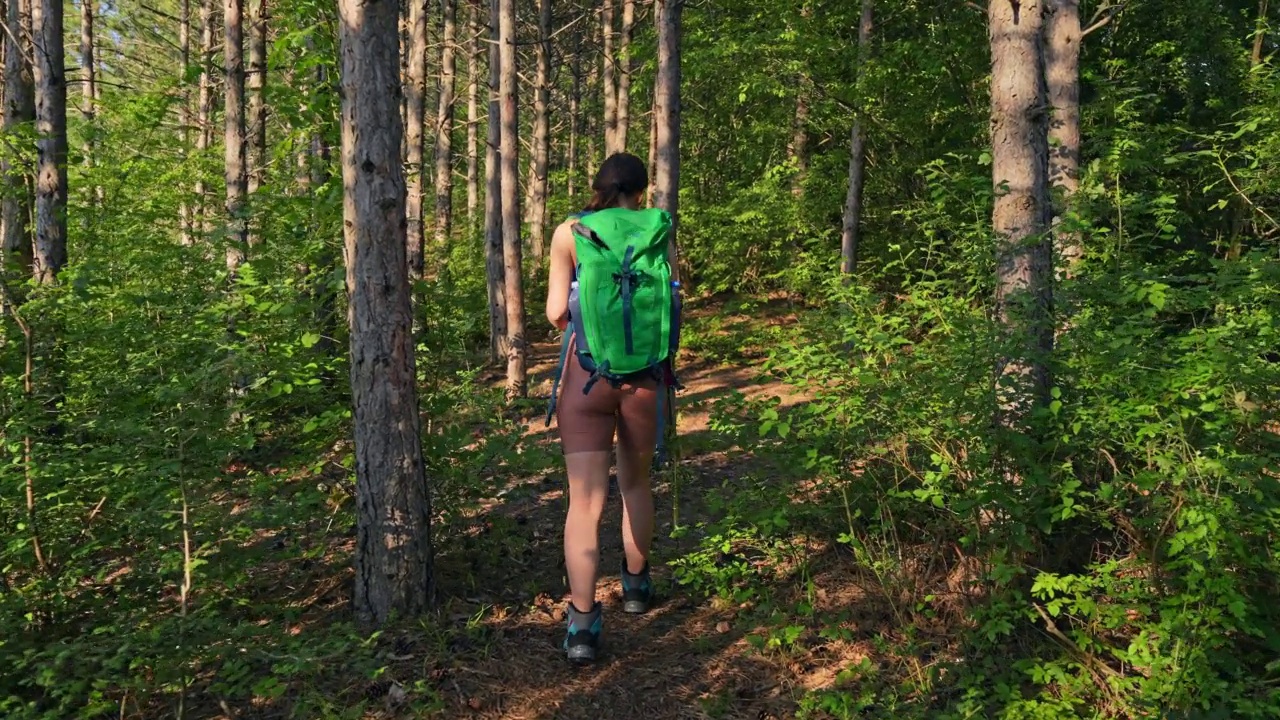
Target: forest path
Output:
[(684, 659)]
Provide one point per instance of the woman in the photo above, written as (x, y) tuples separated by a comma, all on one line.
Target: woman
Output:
[(587, 425)]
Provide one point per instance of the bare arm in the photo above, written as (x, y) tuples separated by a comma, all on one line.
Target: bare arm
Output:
[(561, 269)]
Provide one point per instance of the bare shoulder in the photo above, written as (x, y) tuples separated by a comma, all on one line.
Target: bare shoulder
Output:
[(562, 238)]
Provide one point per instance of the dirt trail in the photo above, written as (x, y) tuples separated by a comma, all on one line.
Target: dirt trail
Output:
[(684, 659)]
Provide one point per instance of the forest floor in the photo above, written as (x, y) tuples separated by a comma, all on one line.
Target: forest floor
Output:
[(780, 618)]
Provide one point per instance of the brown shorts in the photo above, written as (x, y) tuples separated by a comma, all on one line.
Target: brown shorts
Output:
[(587, 422)]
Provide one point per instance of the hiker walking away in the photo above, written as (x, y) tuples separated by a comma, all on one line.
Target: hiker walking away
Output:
[(613, 291)]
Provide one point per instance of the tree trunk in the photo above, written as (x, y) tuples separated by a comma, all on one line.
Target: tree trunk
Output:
[(184, 114), (1062, 76), (624, 70), (493, 249), (512, 267), (88, 79), (1020, 168), (609, 82), (444, 126), (798, 148), (19, 108), (415, 140), (257, 106), (393, 562), (666, 186), (51, 140), (851, 232), (575, 115), (473, 87), (236, 175), (541, 134), (204, 114), (1260, 34)]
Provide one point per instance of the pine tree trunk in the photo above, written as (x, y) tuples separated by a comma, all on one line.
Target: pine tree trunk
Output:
[(575, 116), (666, 184), (184, 114), (257, 119), (415, 139), (393, 561), (624, 70), (541, 135), (204, 113), (88, 95), (493, 249), (851, 230), (1062, 75), (473, 90), (1260, 34), (19, 109), (1020, 167), (798, 148), (444, 126), (50, 251), (512, 267), (236, 171), (608, 79)]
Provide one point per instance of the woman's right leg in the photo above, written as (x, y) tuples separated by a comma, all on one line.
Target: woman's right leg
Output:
[(637, 437)]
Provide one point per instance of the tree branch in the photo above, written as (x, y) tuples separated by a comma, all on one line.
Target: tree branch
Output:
[(1100, 18)]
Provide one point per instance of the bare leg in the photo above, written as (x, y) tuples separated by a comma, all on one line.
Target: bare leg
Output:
[(637, 505), (588, 491)]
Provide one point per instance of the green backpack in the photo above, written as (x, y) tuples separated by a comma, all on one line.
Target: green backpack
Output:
[(623, 307)]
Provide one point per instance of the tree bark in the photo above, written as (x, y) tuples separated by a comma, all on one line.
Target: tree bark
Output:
[(1260, 34), (626, 66), (393, 562), (415, 139), (575, 115), (473, 86), (50, 252), (851, 231), (666, 186), (541, 134), (1062, 76), (608, 79), (512, 266), (257, 119), (19, 109), (1020, 168), (236, 171), (185, 235), (493, 249), (88, 96), (444, 125), (204, 113)]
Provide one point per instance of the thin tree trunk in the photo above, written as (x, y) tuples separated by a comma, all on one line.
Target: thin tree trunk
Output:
[(257, 107), (444, 126), (798, 148), (204, 114), (88, 95), (393, 561), (51, 141), (851, 232), (493, 250), (511, 245), (184, 113), (236, 171), (666, 184), (1260, 34), (590, 129), (541, 134), (1062, 76), (473, 87), (626, 66), (1020, 167), (415, 139), (575, 115), (610, 83), (19, 108)]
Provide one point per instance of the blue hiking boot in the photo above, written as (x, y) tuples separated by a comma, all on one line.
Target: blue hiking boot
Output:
[(637, 590), (582, 638)]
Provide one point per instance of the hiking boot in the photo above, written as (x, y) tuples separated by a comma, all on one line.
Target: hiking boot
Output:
[(637, 590), (582, 638)]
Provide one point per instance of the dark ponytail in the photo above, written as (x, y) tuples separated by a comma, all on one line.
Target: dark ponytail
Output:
[(622, 174)]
